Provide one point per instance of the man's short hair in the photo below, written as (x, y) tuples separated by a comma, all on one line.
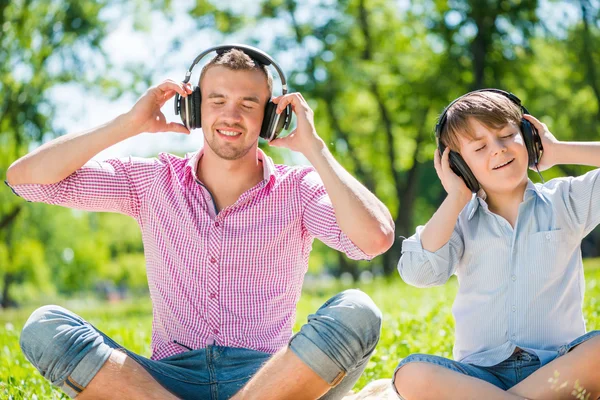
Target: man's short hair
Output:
[(493, 110), (237, 60)]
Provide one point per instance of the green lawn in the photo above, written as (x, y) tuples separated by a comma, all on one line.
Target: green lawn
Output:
[(415, 320)]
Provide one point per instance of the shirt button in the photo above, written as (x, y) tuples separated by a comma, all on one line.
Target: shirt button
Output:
[(213, 260), (216, 331), (514, 278), (514, 308), (513, 336), (217, 224), (212, 296), (548, 236)]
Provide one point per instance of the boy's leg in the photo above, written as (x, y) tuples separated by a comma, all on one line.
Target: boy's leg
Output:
[(422, 376), (74, 356), (581, 363), (326, 358)]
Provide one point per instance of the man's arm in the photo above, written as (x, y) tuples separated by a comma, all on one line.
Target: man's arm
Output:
[(59, 158), (360, 215)]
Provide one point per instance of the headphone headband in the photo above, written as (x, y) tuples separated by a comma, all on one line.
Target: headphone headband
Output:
[(443, 117), (531, 140), (257, 55), (273, 122)]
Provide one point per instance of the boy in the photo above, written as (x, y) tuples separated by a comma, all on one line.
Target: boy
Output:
[(515, 248)]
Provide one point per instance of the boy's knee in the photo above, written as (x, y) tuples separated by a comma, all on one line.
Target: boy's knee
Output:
[(412, 378)]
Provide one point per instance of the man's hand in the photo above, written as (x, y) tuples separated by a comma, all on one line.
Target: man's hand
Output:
[(453, 184), (549, 143), (304, 138), (146, 116)]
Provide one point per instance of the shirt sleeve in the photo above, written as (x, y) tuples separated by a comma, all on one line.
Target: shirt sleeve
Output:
[(115, 185), (318, 216), (582, 198), (422, 268)]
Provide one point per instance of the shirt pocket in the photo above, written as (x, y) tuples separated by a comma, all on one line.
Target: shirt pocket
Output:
[(549, 253)]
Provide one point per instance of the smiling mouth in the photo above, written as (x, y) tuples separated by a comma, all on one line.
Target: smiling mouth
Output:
[(504, 165), (228, 133)]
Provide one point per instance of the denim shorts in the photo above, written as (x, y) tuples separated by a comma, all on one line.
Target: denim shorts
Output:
[(336, 343), (504, 375)]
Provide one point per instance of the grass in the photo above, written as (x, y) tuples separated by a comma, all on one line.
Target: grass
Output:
[(415, 320)]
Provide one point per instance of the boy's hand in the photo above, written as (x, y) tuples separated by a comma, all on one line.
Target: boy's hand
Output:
[(452, 183), (549, 143)]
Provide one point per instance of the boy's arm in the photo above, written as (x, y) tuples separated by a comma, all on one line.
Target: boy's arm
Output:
[(439, 229), (581, 194), (558, 152), (430, 256)]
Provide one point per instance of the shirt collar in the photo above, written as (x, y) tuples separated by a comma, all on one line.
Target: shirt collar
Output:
[(269, 171), (477, 200)]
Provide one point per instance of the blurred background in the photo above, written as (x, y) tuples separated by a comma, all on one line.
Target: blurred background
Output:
[(377, 74)]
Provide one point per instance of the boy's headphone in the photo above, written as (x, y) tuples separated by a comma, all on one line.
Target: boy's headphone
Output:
[(272, 124), (531, 137)]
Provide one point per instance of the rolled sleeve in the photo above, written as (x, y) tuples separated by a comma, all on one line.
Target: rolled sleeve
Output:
[(318, 216), (34, 192), (422, 268)]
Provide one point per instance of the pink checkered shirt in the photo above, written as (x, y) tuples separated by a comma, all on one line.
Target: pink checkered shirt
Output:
[(231, 278)]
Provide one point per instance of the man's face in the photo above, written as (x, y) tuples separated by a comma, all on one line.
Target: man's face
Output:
[(233, 105), (497, 157)]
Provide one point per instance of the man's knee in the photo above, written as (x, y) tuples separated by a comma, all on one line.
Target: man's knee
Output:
[(39, 330), (357, 318), (48, 335)]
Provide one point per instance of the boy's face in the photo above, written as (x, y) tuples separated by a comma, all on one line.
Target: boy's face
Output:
[(232, 110), (497, 157)]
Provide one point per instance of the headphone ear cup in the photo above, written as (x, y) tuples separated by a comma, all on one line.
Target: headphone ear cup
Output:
[(180, 108), (266, 128), (532, 140), (460, 168), (195, 102), (284, 120)]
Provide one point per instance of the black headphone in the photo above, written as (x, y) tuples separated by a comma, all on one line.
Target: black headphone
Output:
[(272, 124), (531, 137)]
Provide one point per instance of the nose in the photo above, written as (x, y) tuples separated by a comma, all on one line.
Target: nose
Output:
[(497, 146), (231, 113)]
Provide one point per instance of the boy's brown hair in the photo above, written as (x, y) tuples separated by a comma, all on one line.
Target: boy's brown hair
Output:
[(237, 60), (493, 110)]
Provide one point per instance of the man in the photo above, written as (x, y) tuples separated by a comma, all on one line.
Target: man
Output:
[(227, 235)]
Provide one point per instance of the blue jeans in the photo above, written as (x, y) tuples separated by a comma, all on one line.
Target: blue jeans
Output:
[(336, 343), (505, 375)]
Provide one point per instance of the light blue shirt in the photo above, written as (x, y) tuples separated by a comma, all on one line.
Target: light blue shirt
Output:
[(520, 287)]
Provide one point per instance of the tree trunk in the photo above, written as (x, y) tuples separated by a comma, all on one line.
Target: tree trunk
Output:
[(587, 55), (6, 300)]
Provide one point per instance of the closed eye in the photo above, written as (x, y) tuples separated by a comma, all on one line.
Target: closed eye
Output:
[(508, 136), (481, 148)]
